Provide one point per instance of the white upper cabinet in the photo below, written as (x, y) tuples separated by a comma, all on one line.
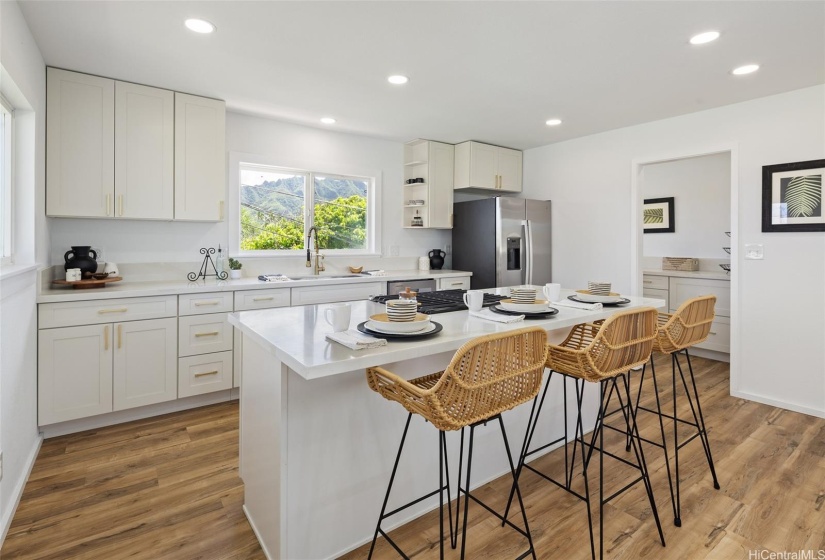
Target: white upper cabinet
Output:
[(200, 159), (485, 167), (80, 145), (144, 152)]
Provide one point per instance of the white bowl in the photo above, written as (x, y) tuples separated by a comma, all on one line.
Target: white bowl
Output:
[(538, 306), (381, 323), (585, 295)]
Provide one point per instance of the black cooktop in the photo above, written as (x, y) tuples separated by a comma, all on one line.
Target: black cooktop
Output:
[(441, 302)]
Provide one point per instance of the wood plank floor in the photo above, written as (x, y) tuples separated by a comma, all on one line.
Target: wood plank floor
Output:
[(168, 488)]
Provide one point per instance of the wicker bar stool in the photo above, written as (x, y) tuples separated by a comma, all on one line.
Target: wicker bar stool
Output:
[(689, 326), (487, 376), (603, 353)]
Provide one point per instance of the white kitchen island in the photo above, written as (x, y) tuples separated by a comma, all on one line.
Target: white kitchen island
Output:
[(317, 445)]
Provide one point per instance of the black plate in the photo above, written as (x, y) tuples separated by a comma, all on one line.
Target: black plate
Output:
[(624, 301), (402, 336), (496, 308)]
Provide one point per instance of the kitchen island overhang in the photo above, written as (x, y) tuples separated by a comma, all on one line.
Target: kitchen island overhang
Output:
[(317, 445)]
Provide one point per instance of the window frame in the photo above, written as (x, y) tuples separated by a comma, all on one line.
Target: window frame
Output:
[(310, 170), (7, 184)]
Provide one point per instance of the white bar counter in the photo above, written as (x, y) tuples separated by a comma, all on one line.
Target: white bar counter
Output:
[(317, 445)]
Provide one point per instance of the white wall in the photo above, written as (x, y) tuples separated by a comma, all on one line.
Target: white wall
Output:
[(23, 65), (782, 355), (701, 189), (137, 241)]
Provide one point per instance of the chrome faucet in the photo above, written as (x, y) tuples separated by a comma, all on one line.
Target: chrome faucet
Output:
[(318, 268)]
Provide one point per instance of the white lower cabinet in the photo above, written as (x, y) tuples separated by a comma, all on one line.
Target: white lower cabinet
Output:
[(455, 283), (94, 369), (204, 373), (310, 295), (74, 373), (202, 334), (145, 363)]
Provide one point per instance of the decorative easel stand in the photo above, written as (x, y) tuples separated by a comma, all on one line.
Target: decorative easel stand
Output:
[(205, 266)]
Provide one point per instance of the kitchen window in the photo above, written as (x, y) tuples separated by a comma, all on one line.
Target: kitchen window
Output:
[(6, 201), (278, 205)]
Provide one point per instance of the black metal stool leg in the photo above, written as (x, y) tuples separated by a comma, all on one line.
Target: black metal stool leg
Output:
[(389, 489), (454, 543), (518, 491), (678, 502), (664, 439), (580, 432), (700, 419), (453, 535), (467, 492)]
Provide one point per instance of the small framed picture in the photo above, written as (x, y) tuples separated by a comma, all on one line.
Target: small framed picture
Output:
[(792, 196), (658, 215)]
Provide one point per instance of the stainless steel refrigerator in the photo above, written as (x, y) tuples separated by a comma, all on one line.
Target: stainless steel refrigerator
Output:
[(502, 241)]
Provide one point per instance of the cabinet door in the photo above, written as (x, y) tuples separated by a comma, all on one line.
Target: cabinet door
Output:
[(440, 204), (80, 145), (454, 283), (509, 169), (483, 166), (200, 161), (144, 152), (202, 334), (145, 363), (74, 375), (204, 374)]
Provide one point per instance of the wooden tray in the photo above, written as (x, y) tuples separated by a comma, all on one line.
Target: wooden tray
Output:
[(90, 283)]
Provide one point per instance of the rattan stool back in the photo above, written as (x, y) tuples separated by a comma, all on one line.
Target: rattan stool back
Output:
[(486, 376), (690, 325)]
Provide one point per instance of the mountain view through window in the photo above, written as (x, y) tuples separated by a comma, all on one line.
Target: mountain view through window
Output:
[(277, 209)]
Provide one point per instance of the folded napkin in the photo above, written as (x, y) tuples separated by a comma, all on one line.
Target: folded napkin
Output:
[(375, 272), (577, 305), (497, 317), (356, 340), (273, 278)]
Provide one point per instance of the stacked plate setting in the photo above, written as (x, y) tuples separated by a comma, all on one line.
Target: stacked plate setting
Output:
[(524, 295), (382, 323), (588, 296), (401, 310)]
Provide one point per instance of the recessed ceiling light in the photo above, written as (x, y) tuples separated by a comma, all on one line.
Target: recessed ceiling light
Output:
[(327, 120), (199, 25), (553, 122), (398, 79), (746, 69), (705, 37)]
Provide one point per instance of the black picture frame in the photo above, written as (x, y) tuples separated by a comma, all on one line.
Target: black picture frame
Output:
[(668, 225), (774, 217)]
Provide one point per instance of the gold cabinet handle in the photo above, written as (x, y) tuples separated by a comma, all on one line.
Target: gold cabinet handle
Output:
[(457, 284), (106, 337), (200, 303), (220, 210), (120, 205), (119, 336), (212, 333), (108, 204), (270, 298), (121, 310), (648, 281), (713, 333), (215, 372)]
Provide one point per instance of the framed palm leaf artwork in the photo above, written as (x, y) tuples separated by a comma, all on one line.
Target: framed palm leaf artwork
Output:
[(792, 196), (658, 215)]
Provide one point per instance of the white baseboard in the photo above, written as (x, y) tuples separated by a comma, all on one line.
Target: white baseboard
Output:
[(257, 534), (139, 413), (779, 404), (8, 516), (710, 354)]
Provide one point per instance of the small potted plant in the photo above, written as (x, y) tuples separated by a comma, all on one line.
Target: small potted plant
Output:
[(234, 268)]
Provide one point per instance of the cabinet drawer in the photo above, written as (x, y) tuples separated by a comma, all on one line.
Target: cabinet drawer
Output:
[(656, 282), (201, 304), (658, 294), (330, 294), (261, 299), (69, 313), (201, 334), (719, 336), (458, 283), (203, 374), (683, 289)]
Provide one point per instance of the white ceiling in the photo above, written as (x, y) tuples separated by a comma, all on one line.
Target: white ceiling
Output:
[(488, 71)]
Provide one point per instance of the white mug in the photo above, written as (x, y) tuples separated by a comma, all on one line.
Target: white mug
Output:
[(340, 316), (552, 292), (474, 300)]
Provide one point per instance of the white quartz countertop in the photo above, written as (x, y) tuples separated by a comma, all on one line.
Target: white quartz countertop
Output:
[(708, 274), (128, 288), (296, 335)]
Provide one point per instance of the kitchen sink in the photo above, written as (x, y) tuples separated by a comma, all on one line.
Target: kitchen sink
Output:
[(326, 277)]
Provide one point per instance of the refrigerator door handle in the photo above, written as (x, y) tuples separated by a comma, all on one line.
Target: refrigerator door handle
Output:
[(529, 258)]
